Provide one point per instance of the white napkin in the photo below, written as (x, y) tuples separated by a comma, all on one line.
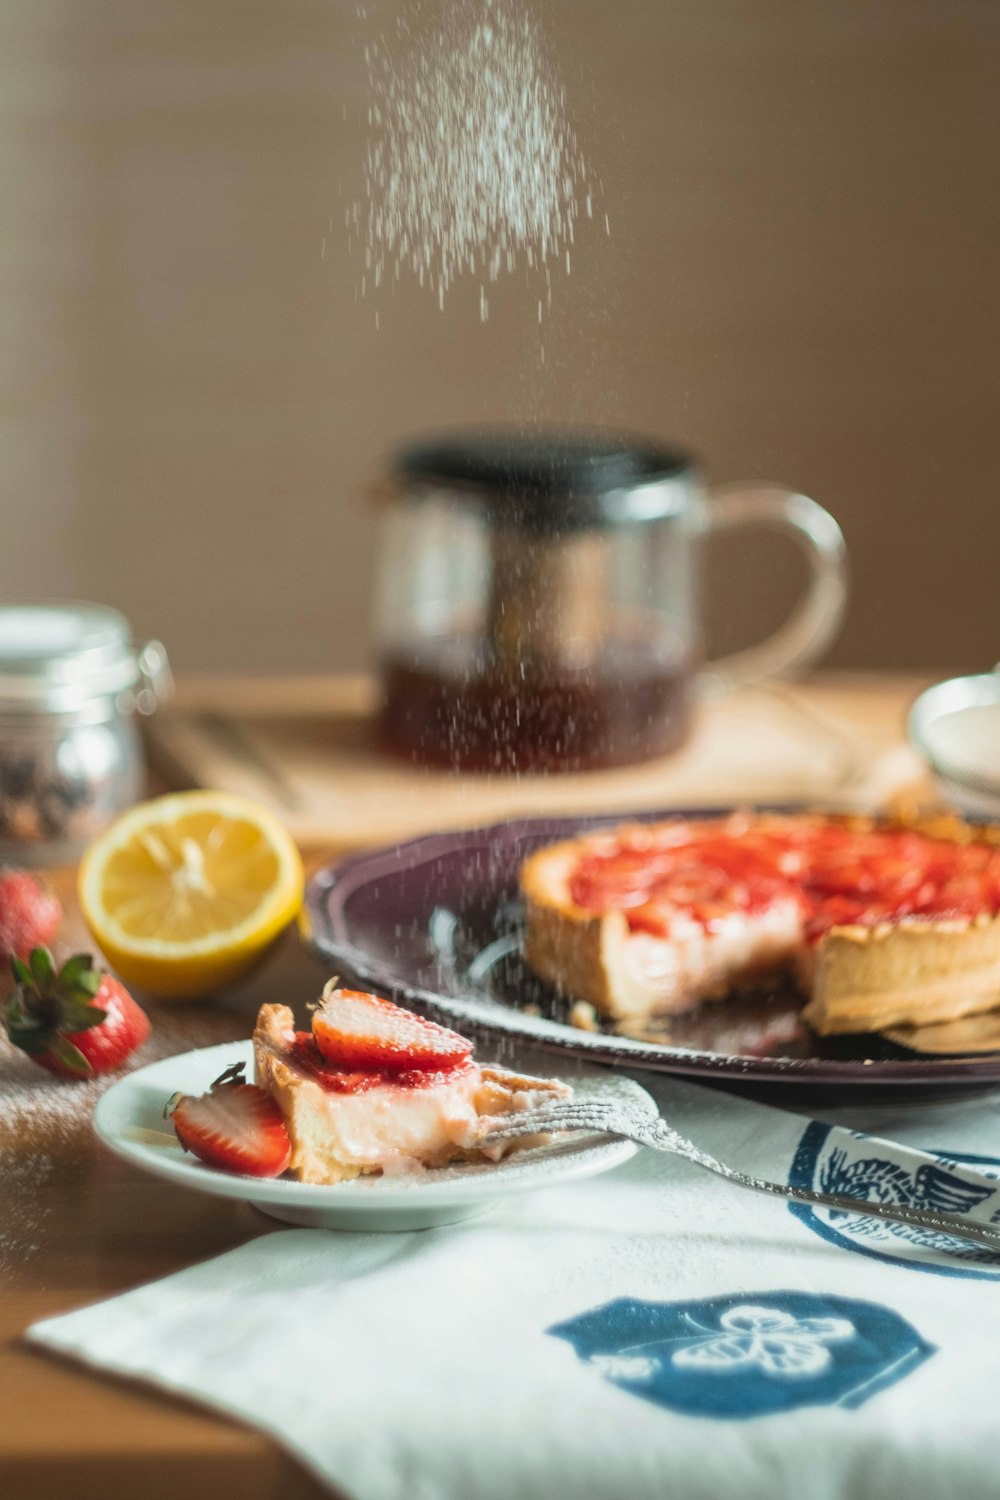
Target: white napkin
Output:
[(646, 1333)]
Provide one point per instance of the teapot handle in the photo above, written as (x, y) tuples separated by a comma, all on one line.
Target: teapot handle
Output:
[(814, 622)]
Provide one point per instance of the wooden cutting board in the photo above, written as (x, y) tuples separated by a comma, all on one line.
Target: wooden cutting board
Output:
[(306, 747)]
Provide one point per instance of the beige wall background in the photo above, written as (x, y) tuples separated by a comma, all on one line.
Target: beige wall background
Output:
[(801, 284)]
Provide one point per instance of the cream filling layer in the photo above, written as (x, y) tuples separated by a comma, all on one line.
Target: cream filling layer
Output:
[(394, 1128), (692, 960)]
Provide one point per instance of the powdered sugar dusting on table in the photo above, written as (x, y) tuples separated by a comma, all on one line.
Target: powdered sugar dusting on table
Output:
[(37, 1103), (45, 1121), (20, 1230), (55, 1111)]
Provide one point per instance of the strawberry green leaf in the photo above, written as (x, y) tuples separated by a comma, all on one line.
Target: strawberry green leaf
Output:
[(79, 973), (235, 1073), (20, 971), (71, 1057), (74, 1015), (14, 1013), (24, 1029), (30, 1039), (43, 969), (171, 1105)]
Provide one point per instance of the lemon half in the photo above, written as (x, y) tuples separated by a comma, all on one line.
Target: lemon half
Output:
[(185, 892)]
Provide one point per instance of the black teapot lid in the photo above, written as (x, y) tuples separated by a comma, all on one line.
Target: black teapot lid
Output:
[(549, 481)]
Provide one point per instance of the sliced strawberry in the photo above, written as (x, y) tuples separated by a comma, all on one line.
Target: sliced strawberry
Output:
[(236, 1126), (75, 1021), (340, 1080), (357, 1030)]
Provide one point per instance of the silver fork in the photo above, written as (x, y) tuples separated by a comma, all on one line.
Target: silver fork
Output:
[(615, 1118)]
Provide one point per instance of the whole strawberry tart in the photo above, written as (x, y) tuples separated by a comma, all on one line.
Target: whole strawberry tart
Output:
[(881, 923)]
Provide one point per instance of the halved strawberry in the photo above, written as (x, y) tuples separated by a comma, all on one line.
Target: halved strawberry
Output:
[(236, 1126), (356, 1030)]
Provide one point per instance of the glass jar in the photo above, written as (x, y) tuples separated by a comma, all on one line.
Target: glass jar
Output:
[(537, 598), (71, 759)]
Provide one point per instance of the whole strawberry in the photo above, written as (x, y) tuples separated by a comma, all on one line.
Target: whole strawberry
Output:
[(76, 1021), (29, 914)]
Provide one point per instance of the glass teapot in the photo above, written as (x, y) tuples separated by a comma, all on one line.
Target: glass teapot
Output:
[(537, 599)]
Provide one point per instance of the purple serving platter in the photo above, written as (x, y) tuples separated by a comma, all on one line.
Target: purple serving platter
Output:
[(435, 923)]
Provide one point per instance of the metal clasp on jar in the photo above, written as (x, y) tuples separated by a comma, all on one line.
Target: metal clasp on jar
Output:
[(155, 683)]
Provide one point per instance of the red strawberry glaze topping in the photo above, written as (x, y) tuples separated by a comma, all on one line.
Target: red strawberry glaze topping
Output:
[(885, 875), (356, 1081), (837, 875)]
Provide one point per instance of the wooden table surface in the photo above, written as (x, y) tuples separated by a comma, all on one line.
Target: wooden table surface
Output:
[(78, 1225)]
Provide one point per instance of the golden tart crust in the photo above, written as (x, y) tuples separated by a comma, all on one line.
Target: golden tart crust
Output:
[(906, 973)]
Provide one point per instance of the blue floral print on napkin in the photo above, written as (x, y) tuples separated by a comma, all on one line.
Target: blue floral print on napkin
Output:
[(747, 1355), (844, 1162)]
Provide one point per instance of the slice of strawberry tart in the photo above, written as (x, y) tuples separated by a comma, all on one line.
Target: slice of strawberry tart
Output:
[(375, 1088)]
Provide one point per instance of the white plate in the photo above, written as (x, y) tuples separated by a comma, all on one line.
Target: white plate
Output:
[(129, 1120)]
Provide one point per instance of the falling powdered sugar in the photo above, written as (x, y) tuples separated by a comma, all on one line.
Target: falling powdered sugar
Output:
[(472, 165)]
